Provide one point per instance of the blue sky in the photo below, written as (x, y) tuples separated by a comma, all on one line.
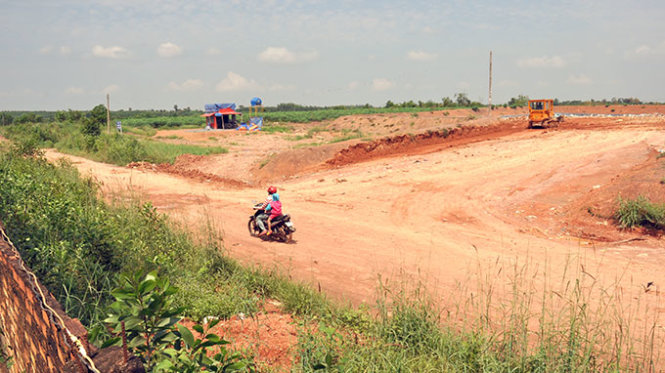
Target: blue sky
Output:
[(154, 54)]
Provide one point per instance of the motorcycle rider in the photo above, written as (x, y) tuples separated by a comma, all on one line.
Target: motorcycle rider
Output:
[(275, 208), (262, 217)]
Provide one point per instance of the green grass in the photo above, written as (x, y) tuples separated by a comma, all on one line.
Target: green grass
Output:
[(640, 212), (275, 128), (171, 137), (569, 324), (159, 152), (115, 148), (77, 244)]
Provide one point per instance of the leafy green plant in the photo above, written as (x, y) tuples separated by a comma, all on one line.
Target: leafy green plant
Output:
[(640, 211), (146, 323)]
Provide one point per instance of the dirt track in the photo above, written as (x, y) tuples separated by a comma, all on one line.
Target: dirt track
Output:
[(435, 211)]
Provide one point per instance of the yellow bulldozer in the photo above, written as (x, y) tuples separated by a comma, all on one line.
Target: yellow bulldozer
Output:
[(541, 114)]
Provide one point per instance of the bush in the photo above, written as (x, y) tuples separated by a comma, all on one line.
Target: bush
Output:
[(640, 212), (144, 312)]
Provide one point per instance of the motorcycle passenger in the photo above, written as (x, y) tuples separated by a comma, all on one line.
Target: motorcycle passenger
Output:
[(263, 216), (275, 209)]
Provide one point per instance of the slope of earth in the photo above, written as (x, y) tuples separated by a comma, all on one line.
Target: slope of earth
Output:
[(413, 213), (443, 213), (256, 158)]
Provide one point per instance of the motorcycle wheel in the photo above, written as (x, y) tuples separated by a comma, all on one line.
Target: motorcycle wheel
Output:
[(253, 229), (285, 234)]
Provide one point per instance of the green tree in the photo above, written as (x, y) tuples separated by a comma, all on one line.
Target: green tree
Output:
[(462, 99), (74, 115), (6, 119), (92, 125), (28, 118), (520, 100), (447, 102), (60, 116)]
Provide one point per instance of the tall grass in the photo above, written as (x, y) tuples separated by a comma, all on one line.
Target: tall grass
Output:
[(77, 244), (110, 148), (640, 212), (520, 318), (517, 318)]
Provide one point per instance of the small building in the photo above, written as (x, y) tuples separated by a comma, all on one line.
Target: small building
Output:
[(221, 116)]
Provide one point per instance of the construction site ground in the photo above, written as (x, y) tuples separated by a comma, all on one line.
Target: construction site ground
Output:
[(434, 197)]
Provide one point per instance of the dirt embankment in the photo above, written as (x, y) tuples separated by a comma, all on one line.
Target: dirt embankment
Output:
[(182, 168), (421, 143)]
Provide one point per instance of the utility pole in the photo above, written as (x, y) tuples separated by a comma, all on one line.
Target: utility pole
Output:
[(108, 113), (489, 109)]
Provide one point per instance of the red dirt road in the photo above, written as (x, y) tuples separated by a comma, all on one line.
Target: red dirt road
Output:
[(453, 212), (435, 215)]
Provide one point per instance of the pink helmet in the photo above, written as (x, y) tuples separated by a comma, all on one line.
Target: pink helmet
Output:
[(272, 190)]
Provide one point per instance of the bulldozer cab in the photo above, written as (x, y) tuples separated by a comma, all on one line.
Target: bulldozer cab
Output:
[(541, 112)]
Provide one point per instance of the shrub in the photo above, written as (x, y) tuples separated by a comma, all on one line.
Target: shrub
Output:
[(640, 212), (144, 316)]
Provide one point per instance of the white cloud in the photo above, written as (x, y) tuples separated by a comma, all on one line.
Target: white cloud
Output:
[(169, 49), (46, 49), (353, 85), (187, 85), (643, 49), (109, 52), (49, 49), (420, 56), (382, 84), (579, 79), (648, 50), (212, 51), (111, 88), (74, 91), (235, 82), (545, 61), (283, 55)]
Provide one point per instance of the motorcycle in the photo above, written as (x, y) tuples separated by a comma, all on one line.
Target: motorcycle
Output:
[(282, 227)]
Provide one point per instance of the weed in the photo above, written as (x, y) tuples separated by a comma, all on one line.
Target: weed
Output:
[(171, 137), (146, 323), (640, 212), (265, 161), (273, 128)]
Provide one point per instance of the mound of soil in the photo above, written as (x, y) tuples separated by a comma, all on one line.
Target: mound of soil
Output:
[(428, 141), (182, 167), (593, 214), (270, 334), (293, 162)]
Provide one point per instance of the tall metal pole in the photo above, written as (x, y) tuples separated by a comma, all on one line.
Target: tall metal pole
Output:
[(489, 110), (108, 113)]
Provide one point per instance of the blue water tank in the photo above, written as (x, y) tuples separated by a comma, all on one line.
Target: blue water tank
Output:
[(256, 101)]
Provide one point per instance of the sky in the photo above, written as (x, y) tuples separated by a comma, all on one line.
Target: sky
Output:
[(149, 54)]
